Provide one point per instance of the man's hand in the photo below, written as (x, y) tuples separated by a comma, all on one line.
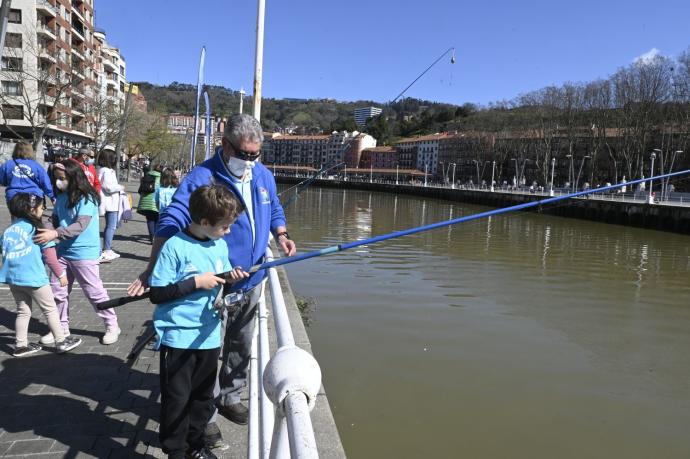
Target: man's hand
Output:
[(63, 280), (139, 285), (237, 274), (45, 235), (207, 281), (288, 246)]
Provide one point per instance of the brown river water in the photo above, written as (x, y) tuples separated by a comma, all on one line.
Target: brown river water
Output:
[(518, 336)]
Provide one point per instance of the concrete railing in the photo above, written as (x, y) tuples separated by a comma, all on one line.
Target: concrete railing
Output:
[(283, 388)]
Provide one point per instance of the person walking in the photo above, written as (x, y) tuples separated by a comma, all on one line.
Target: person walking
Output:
[(169, 183), (235, 166), (86, 159), (110, 202), (150, 181)]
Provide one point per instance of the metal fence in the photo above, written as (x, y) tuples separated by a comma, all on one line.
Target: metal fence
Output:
[(282, 388)]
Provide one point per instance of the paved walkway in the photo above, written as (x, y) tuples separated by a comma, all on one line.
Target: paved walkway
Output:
[(90, 402)]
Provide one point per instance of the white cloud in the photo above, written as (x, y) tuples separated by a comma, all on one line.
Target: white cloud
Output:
[(647, 57)]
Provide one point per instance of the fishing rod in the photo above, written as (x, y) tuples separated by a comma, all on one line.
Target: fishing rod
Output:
[(350, 245), (452, 61)]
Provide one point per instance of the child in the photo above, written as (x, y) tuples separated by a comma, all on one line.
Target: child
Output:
[(150, 181), (22, 174), (185, 287), (76, 218), (168, 187), (25, 273)]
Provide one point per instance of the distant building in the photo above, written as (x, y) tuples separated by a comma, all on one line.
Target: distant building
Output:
[(379, 158), (363, 114), (315, 150), (421, 152)]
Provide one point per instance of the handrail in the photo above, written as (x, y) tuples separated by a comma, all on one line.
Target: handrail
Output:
[(285, 386)]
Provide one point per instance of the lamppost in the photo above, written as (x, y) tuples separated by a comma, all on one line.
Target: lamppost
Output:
[(522, 171), (651, 174), (582, 163), (571, 173), (371, 171), (345, 174), (493, 166), (476, 163), (396, 173), (517, 173), (453, 183), (553, 167), (426, 166)]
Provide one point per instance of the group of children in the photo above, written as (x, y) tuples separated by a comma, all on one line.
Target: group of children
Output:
[(69, 244), (186, 282)]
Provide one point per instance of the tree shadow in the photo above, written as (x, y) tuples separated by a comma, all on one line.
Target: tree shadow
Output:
[(87, 403)]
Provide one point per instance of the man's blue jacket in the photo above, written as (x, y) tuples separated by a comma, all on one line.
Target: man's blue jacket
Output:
[(268, 214), (25, 176)]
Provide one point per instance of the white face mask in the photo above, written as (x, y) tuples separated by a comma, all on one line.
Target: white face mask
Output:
[(61, 184), (239, 167)]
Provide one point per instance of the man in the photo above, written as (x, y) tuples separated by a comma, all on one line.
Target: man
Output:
[(235, 166), (86, 159)]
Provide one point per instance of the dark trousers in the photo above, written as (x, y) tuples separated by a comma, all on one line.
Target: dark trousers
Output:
[(187, 378)]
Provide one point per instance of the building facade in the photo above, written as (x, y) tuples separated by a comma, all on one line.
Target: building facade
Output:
[(316, 150), (364, 113), (379, 158), (421, 152)]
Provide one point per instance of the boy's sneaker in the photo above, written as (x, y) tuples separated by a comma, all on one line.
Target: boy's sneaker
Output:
[(213, 438), (23, 351), (201, 453), (50, 339), (111, 335), (107, 256), (67, 344)]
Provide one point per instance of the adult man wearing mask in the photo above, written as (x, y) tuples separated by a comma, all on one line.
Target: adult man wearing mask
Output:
[(86, 159), (235, 166)]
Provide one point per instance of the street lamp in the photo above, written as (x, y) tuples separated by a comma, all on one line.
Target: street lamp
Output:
[(453, 184), (571, 173), (522, 170), (651, 174), (553, 167), (517, 174), (396, 173), (493, 166), (426, 167), (582, 163)]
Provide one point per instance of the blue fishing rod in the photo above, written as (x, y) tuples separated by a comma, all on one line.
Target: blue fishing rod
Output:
[(419, 229)]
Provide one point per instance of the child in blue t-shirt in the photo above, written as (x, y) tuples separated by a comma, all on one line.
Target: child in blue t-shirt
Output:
[(23, 270), (185, 286), (164, 193), (75, 218)]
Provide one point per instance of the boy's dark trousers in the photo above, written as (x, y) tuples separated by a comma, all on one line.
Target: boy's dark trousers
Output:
[(187, 378)]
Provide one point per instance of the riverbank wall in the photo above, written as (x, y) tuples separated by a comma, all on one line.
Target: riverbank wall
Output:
[(663, 217)]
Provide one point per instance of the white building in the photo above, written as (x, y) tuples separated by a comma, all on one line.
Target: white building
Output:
[(363, 114)]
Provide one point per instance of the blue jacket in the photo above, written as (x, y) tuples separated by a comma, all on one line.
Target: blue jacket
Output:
[(32, 178), (268, 214)]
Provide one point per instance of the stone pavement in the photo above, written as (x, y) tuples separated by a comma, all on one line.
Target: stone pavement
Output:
[(93, 402)]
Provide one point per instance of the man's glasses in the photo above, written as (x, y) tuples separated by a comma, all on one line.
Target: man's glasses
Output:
[(245, 155)]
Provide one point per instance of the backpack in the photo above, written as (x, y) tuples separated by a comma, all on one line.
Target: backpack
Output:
[(147, 185)]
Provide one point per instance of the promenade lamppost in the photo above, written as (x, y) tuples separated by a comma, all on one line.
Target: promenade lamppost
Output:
[(493, 166), (452, 185), (651, 174), (426, 167), (553, 167), (476, 163), (571, 173), (397, 169), (517, 173)]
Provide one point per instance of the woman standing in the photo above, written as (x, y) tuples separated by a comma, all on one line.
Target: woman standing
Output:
[(110, 202), (150, 182)]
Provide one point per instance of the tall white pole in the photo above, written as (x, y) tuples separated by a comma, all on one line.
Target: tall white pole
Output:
[(258, 62), (651, 174), (397, 169), (426, 166), (493, 166), (553, 166), (242, 93), (453, 184)]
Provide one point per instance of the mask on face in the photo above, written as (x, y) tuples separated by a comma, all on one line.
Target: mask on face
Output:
[(89, 161), (61, 184), (239, 167)]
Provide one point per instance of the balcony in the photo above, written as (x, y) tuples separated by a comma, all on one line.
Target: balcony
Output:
[(77, 93), (45, 54), (78, 32), (78, 71), (77, 13), (78, 111), (109, 64), (46, 31), (111, 82), (43, 7), (76, 52)]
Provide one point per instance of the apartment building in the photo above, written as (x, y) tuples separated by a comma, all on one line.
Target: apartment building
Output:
[(54, 70), (364, 113), (379, 158), (421, 152), (316, 150)]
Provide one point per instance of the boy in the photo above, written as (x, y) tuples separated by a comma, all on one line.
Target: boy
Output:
[(184, 285)]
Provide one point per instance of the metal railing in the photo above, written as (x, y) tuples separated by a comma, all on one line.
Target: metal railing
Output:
[(282, 388)]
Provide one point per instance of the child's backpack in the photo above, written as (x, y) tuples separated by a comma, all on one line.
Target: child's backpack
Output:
[(147, 185)]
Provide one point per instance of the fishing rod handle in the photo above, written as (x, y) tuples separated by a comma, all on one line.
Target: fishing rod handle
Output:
[(115, 302)]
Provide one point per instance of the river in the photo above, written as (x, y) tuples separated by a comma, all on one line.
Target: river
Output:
[(521, 336)]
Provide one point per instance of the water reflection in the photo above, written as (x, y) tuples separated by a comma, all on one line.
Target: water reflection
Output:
[(496, 328)]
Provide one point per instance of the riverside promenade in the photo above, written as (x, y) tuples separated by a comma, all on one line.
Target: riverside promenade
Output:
[(93, 402)]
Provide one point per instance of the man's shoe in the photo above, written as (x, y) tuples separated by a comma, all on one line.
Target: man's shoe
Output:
[(111, 335), (67, 344), (237, 413), (50, 339), (201, 453), (212, 436), (23, 351)]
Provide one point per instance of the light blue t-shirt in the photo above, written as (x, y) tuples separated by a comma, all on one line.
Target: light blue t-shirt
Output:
[(22, 262), (190, 322), (164, 197), (87, 245)]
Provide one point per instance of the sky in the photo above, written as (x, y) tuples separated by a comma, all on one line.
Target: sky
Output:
[(372, 49)]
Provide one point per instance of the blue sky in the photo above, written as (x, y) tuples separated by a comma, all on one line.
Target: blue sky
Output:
[(371, 49)]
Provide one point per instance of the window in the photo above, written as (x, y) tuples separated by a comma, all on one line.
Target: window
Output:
[(13, 40), (13, 112), (15, 17), (11, 88), (12, 64)]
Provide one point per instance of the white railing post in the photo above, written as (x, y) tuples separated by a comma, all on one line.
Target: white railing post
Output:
[(266, 408), (253, 444)]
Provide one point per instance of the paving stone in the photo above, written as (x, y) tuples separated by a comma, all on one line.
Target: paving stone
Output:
[(25, 448)]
